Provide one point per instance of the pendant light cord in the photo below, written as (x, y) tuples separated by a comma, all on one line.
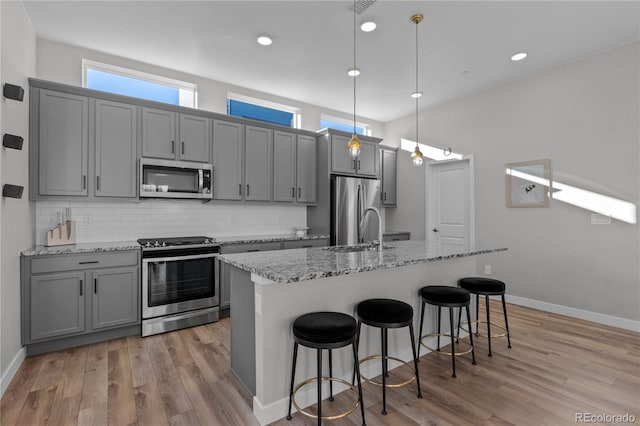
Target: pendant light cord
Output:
[(354, 67), (416, 93)]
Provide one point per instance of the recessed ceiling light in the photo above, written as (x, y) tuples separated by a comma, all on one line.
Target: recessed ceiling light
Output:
[(264, 40), (416, 94), (518, 56), (369, 26), (353, 72)]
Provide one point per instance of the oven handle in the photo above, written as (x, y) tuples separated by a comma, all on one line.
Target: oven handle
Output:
[(174, 258), (200, 181)]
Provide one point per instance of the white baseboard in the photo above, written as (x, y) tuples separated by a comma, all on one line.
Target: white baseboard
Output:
[(618, 322), (11, 371)]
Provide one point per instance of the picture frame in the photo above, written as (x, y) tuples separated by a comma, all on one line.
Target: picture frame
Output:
[(528, 183)]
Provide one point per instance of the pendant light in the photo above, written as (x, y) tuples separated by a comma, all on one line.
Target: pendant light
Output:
[(416, 155), (354, 143)]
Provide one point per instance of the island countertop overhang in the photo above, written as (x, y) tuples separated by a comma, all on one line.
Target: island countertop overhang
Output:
[(289, 266)]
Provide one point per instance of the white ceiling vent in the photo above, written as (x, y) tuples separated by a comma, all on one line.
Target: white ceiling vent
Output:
[(362, 5)]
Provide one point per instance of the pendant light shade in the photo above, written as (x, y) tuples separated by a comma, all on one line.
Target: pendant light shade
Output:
[(354, 144), (416, 156)]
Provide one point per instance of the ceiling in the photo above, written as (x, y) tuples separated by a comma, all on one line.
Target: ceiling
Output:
[(464, 47)]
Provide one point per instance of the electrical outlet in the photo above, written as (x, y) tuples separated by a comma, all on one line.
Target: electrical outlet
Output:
[(87, 220), (600, 219), (487, 269)]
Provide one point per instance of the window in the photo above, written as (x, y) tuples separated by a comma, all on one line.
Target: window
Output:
[(344, 125), (269, 112), (123, 81)]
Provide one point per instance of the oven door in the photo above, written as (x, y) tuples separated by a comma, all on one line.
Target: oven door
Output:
[(179, 283)]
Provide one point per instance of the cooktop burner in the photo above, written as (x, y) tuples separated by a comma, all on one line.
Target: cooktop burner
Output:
[(176, 241)]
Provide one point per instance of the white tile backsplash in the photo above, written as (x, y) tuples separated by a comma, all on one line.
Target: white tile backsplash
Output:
[(128, 221)]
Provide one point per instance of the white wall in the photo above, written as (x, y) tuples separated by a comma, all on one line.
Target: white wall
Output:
[(62, 63), (584, 116), (17, 216)]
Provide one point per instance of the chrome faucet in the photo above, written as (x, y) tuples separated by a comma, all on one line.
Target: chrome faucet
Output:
[(377, 212)]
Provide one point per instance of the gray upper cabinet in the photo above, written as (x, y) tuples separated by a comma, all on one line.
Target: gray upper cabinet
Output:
[(258, 163), (195, 138), (388, 172), (228, 145), (159, 135), (116, 130), (306, 166), (63, 143), (115, 297), (365, 165), (284, 167)]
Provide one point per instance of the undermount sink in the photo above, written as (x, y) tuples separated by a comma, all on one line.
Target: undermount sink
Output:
[(352, 249)]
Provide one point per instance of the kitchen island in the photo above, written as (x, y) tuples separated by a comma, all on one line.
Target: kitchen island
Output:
[(270, 289)]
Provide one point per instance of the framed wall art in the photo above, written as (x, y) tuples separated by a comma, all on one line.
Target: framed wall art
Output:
[(528, 184)]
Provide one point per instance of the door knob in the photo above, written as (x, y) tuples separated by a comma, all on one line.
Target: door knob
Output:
[(435, 230)]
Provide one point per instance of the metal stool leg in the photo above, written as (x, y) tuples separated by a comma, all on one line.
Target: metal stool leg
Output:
[(357, 343), (420, 331), (439, 312), (453, 343), (357, 373), (415, 359), (330, 375), (473, 351), (293, 376), (506, 322), (384, 370), (477, 313), (459, 319), (319, 386), (486, 298)]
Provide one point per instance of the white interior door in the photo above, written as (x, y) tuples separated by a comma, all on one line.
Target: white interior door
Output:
[(450, 203)]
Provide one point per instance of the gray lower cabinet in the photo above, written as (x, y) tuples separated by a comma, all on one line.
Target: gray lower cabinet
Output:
[(61, 127), (294, 168), (116, 135), (388, 177), (258, 163), (366, 165), (228, 145), (167, 134), (74, 299)]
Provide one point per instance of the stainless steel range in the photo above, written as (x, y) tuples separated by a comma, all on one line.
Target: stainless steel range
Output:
[(180, 285)]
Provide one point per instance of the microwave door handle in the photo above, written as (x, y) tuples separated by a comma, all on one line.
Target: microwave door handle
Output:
[(200, 181)]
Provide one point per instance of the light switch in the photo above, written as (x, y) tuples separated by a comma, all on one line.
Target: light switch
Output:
[(600, 219)]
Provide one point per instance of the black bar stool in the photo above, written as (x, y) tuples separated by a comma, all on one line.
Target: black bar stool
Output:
[(324, 330), (386, 314), (444, 296), (487, 287)]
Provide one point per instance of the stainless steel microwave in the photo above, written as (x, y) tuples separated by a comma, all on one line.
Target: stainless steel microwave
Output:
[(175, 179)]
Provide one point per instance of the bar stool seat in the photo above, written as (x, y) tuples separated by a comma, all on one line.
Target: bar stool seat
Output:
[(482, 285), (386, 314), (324, 330)]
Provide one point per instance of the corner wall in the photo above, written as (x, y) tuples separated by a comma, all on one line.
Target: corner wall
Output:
[(584, 117), (17, 217)]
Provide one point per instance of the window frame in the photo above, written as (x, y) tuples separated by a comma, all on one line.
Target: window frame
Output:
[(297, 116), (365, 126)]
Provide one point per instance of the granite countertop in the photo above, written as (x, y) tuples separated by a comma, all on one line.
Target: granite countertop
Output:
[(310, 263), (82, 248), (246, 239)]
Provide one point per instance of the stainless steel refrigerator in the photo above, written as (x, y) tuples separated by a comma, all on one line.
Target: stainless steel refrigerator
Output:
[(350, 197)]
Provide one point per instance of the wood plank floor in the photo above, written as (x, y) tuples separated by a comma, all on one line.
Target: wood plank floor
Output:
[(558, 367)]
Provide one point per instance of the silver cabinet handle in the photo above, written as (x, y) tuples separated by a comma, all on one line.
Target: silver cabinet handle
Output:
[(385, 197), (80, 287), (173, 147), (358, 163), (239, 189), (88, 262), (247, 189), (435, 230), (98, 183), (182, 148), (95, 286), (299, 192), (293, 192), (84, 181)]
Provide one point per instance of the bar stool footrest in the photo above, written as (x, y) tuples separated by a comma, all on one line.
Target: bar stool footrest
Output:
[(424, 345), (388, 385), (333, 417), (493, 324)]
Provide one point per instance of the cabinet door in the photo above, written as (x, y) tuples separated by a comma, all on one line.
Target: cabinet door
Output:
[(63, 145), (258, 163), (194, 138), (388, 192), (158, 133), (57, 305), (227, 160), (367, 162), (341, 161), (115, 297), (284, 167), (116, 130), (306, 169)]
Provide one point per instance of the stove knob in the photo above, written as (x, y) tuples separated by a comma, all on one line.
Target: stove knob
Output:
[(156, 244), (164, 244), (148, 244)]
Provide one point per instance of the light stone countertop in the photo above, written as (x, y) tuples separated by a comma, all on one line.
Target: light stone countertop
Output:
[(287, 266), (247, 239), (82, 248)]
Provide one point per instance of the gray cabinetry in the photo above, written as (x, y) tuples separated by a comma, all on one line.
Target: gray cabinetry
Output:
[(167, 134), (258, 163), (366, 165), (77, 298), (57, 305), (294, 168), (388, 174), (116, 130), (63, 144), (228, 143), (320, 242)]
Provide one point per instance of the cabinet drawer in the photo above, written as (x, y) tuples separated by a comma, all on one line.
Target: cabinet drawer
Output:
[(321, 242), (243, 248), (76, 262), (396, 237)]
